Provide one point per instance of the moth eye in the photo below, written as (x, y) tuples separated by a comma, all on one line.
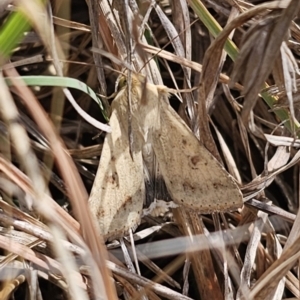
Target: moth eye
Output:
[(122, 83)]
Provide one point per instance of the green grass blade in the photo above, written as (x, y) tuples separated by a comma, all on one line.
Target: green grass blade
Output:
[(213, 26), (59, 82)]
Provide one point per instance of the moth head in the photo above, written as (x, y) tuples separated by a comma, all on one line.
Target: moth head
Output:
[(136, 80), (122, 83)]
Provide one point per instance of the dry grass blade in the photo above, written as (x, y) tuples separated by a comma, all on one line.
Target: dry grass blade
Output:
[(41, 261), (276, 272), (286, 76), (250, 256), (159, 289), (180, 52), (261, 45), (208, 285), (183, 61), (46, 127)]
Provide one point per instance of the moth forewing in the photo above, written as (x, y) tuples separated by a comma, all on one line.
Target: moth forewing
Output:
[(194, 178), (118, 192)]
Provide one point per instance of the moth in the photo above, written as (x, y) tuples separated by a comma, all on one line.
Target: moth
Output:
[(193, 177)]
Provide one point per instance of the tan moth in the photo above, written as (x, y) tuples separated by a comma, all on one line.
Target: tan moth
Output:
[(193, 177)]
